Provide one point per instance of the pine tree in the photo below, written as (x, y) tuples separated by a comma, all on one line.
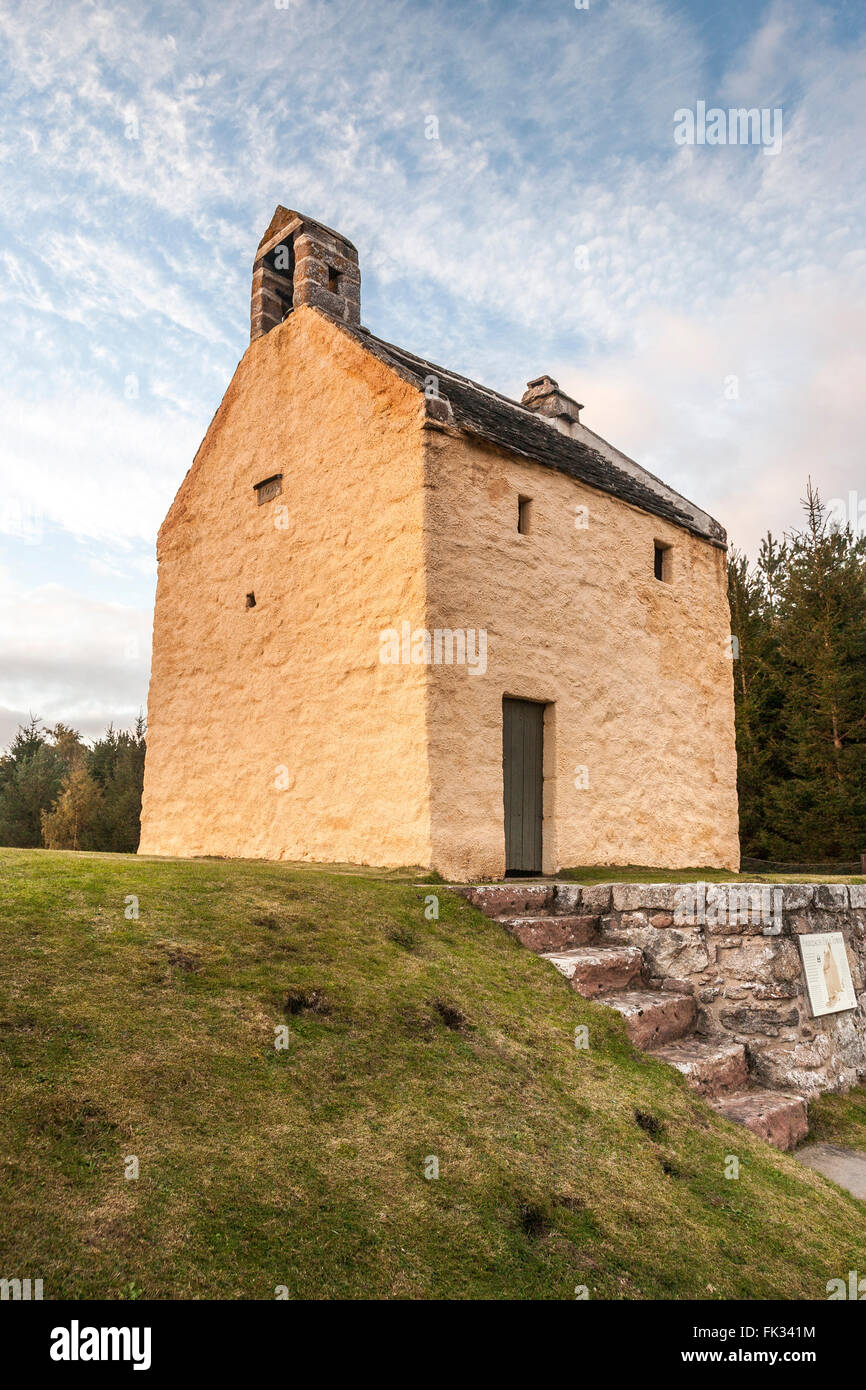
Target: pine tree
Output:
[(56, 791), (31, 774), (819, 810), (117, 763), (73, 823), (800, 692)]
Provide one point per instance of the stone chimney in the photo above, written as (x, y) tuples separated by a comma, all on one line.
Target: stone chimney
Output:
[(544, 397), (300, 261)]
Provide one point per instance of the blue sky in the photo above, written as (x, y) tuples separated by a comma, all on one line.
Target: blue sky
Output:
[(553, 226)]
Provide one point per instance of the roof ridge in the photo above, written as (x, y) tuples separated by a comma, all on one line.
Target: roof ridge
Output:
[(525, 433), (458, 376)]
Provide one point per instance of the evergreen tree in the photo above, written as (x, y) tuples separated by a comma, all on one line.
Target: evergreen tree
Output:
[(31, 774), (754, 688), (800, 692), (73, 823), (56, 791), (117, 764), (822, 643)]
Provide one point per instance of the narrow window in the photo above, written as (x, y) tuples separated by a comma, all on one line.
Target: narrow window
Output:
[(333, 280), (524, 515), (251, 600), (268, 488), (663, 562)]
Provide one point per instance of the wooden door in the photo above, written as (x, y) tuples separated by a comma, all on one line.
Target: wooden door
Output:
[(523, 780)]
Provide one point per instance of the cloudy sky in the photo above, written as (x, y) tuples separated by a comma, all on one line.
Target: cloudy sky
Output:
[(705, 302)]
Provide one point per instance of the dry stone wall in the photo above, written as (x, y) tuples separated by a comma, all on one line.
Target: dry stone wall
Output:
[(734, 947)]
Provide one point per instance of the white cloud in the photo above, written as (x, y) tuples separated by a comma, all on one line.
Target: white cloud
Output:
[(739, 420), (94, 465), (129, 257), (69, 658)]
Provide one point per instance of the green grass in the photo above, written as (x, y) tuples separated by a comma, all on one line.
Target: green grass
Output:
[(840, 1119), (408, 1038), (635, 874), (631, 873)]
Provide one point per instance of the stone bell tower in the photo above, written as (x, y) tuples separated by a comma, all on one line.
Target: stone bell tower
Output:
[(300, 261)]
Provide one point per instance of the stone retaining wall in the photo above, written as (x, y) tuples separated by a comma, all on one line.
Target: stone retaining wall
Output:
[(734, 947)]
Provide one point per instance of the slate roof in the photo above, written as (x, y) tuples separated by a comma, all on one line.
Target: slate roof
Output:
[(502, 421)]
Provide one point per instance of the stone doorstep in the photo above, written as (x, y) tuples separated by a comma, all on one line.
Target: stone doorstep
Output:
[(500, 899), (711, 1068), (597, 970), (776, 1116), (519, 897), (543, 934)]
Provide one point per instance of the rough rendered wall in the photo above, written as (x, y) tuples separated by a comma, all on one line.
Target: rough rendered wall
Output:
[(237, 694), (637, 671)]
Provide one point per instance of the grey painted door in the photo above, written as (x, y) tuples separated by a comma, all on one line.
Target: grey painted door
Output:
[(522, 764)]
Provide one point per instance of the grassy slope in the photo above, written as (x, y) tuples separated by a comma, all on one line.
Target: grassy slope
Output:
[(840, 1119), (305, 1167)]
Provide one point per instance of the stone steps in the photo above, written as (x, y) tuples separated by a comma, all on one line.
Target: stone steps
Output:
[(597, 970), (552, 933), (563, 923), (510, 899), (776, 1116), (711, 1068), (654, 1017)]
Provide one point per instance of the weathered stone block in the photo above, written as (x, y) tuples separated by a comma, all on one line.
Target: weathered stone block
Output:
[(597, 970), (712, 1068), (627, 897), (726, 927), (654, 1019), (779, 1119), (768, 1022), (749, 961), (779, 990), (672, 951), (596, 897), (552, 933), (785, 963), (831, 896), (567, 897), (796, 897), (676, 986), (510, 899), (627, 920)]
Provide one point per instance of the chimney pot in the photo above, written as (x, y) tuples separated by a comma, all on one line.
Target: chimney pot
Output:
[(544, 397)]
